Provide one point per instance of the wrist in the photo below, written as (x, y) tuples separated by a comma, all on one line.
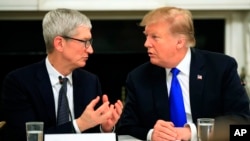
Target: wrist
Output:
[(107, 130), (81, 125)]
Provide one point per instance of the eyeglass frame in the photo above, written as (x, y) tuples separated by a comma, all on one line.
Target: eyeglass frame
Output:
[(82, 41)]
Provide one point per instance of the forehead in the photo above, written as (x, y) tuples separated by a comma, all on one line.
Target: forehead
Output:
[(156, 28), (83, 31)]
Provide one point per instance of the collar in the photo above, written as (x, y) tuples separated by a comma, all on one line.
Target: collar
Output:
[(53, 73)]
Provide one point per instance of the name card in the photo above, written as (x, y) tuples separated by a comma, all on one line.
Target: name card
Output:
[(81, 137)]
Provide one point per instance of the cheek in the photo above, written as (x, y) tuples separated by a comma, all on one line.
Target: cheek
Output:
[(74, 54), (165, 51), (78, 51)]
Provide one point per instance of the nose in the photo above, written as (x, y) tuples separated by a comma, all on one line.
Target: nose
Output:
[(90, 50), (147, 43)]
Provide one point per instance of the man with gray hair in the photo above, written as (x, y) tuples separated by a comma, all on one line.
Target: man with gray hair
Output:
[(31, 93)]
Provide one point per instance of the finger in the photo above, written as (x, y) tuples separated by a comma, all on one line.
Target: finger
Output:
[(105, 98), (118, 108), (106, 115), (110, 111), (167, 124), (93, 103), (166, 127), (116, 115), (112, 108), (103, 108), (164, 132), (119, 102), (158, 135)]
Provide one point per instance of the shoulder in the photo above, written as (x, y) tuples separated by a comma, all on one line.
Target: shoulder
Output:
[(214, 57), (146, 69), (211, 53), (28, 70), (142, 68)]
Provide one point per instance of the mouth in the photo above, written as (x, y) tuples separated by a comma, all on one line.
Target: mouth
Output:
[(85, 58), (150, 54)]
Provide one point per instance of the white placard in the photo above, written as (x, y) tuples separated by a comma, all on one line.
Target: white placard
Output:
[(81, 137)]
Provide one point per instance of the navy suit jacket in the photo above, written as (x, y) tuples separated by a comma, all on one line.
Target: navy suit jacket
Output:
[(28, 96), (217, 92)]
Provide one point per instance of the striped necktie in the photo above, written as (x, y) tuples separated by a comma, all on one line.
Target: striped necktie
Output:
[(63, 106)]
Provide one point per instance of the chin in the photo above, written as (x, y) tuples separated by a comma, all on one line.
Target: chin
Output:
[(82, 64), (153, 61)]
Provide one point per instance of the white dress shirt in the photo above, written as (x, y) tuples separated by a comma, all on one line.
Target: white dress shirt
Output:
[(53, 75)]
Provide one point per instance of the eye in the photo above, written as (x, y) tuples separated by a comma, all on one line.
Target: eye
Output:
[(155, 37)]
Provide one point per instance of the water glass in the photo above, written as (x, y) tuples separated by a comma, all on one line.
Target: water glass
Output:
[(34, 131), (205, 128)]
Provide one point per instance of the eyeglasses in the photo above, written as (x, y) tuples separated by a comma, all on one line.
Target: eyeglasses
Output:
[(86, 43)]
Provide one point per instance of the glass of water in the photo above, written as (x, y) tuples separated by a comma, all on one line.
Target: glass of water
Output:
[(34, 131), (205, 128)]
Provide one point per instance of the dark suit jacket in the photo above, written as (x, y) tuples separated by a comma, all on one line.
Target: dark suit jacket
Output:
[(28, 96), (219, 92)]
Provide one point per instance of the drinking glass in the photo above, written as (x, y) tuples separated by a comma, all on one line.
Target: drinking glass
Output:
[(205, 128), (34, 131)]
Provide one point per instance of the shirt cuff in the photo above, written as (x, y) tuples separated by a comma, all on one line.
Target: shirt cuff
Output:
[(76, 127), (193, 131), (149, 134)]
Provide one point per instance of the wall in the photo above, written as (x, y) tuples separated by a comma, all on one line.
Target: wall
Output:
[(235, 13)]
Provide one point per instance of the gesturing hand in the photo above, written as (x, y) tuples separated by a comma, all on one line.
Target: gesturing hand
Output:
[(91, 117), (116, 110)]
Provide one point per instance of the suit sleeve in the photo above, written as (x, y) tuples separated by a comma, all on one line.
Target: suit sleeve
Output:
[(236, 100), (129, 123)]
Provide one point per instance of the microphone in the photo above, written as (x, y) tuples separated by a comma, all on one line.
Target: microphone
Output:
[(60, 79)]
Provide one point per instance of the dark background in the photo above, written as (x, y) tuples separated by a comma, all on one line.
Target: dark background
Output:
[(118, 46)]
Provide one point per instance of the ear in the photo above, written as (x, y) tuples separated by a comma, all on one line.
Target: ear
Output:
[(181, 42), (58, 43)]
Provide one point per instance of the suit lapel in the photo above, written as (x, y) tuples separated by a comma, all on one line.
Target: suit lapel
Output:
[(45, 89), (80, 87), (78, 93), (160, 93), (196, 82)]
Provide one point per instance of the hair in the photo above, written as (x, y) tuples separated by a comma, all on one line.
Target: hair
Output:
[(180, 20), (62, 22)]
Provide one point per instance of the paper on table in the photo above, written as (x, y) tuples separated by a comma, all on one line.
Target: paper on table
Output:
[(81, 137)]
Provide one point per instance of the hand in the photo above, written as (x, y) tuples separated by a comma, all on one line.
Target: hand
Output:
[(164, 131), (91, 117), (184, 133), (116, 110)]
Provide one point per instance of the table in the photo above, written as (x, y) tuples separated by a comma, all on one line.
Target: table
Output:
[(127, 138)]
